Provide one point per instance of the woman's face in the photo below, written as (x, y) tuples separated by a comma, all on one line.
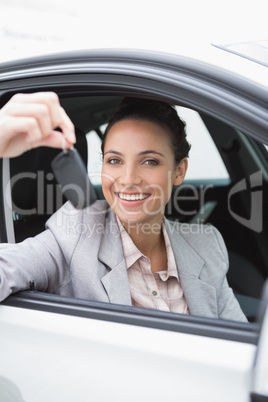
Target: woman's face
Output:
[(139, 171)]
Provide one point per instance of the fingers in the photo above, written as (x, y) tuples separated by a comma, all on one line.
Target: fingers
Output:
[(29, 120), (67, 127), (54, 140), (36, 115), (46, 109)]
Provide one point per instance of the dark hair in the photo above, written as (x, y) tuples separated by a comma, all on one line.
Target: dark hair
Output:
[(157, 112)]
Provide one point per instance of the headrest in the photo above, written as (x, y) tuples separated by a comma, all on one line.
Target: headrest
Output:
[(34, 190)]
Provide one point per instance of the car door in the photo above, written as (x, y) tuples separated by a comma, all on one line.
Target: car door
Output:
[(260, 374), (57, 348)]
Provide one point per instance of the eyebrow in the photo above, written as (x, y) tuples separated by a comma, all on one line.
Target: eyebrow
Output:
[(149, 151)]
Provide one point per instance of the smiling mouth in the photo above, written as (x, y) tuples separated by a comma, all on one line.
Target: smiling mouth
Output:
[(132, 197)]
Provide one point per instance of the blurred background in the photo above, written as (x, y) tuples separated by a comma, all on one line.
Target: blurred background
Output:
[(34, 27)]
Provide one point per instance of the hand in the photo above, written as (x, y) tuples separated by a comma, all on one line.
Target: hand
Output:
[(29, 121)]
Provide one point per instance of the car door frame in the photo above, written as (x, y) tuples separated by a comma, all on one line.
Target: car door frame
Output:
[(201, 87)]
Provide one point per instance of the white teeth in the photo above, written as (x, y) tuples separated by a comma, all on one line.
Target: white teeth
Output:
[(132, 197)]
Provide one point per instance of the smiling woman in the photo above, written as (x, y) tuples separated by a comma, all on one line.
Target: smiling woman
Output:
[(166, 266), (137, 180), (139, 176)]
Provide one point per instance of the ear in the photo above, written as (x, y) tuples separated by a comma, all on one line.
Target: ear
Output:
[(181, 170)]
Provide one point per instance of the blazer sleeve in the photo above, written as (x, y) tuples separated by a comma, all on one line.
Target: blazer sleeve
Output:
[(228, 306), (44, 259)]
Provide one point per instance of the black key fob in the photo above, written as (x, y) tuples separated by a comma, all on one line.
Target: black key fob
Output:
[(71, 173)]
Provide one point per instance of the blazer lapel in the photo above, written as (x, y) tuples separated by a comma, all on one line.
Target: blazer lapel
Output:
[(111, 254), (200, 296)]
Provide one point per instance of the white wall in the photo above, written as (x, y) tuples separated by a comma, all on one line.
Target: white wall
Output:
[(32, 27)]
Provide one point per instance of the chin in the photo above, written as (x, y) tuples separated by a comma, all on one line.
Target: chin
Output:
[(140, 220)]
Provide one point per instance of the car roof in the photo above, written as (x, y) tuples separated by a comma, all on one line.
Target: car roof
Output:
[(212, 56)]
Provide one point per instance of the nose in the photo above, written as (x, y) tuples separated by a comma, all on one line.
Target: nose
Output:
[(130, 175)]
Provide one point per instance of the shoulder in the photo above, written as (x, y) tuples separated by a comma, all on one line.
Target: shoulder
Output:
[(206, 240), (71, 227), (68, 217), (192, 231)]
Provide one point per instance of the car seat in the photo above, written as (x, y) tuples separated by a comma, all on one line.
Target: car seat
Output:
[(34, 191)]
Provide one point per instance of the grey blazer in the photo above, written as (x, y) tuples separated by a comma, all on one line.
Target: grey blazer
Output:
[(80, 255)]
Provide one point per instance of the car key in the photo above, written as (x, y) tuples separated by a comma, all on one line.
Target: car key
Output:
[(71, 173)]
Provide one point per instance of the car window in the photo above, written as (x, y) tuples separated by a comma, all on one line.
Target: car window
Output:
[(200, 166), (94, 157), (209, 194)]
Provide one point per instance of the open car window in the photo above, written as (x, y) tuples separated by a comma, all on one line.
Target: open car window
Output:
[(226, 187)]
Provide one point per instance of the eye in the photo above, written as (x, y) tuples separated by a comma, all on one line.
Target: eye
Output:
[(114, 161), (151, 162)]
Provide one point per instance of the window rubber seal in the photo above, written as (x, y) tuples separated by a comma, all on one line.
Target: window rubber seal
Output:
[(201, 326)]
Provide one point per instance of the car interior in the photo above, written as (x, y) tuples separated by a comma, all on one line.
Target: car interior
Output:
[(226, 196)]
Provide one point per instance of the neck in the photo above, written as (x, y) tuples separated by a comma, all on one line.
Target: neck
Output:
[(146, 237)]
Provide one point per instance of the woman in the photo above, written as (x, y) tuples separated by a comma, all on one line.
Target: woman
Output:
[(125, 251)]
